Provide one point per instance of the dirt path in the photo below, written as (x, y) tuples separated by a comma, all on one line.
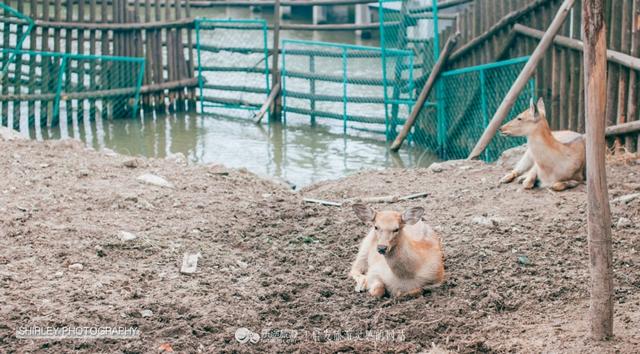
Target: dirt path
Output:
[(517, 276)]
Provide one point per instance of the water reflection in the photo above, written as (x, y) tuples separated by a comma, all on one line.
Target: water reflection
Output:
[(300, 154)]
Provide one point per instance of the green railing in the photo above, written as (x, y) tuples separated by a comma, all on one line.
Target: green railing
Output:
[(52, 88), (15, 29), (233, 65), (343, 82), (468, 100)]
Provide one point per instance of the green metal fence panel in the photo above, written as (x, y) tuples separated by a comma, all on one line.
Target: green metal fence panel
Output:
[(469, 98), (56, 89), (15, 28), (345, 84), (410, 26), (233, 66)]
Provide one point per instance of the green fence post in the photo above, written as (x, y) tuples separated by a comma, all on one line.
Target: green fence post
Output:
[(136, 100), (200, 80), (484, 107), (283, 79), (56, 104), (344, 89), (384, 67)]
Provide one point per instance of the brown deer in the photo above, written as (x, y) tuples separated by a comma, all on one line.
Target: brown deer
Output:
[(400, 255), (555, 159)]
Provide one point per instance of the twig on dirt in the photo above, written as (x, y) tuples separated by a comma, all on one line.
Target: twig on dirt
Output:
[(322, 202), (383, 199)]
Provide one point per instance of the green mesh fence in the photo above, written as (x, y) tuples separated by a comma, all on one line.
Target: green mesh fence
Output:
[(345, 85), (15, 28), (411, 26), (233, 66), (57, 89), (467, 102)]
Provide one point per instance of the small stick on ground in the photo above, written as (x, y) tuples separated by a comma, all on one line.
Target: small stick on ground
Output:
[(382, 199)]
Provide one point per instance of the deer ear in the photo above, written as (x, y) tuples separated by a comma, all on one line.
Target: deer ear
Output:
[(540, 107), (364, 212), (532, 108), (412, 215)]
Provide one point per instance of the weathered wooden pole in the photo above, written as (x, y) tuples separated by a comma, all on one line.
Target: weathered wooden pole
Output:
[(523, 79), (598, 213), (276, 108)]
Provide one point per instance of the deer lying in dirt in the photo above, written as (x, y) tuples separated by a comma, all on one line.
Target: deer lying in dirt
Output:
[(555, 159), (401, 254)]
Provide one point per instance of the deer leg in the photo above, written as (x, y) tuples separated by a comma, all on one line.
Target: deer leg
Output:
[(410, 294), (523, 165), (376, 286), (530, 180), (560, 186)]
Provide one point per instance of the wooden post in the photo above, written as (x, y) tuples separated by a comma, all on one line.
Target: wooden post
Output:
[(522, 80), (276, 108), (598, 213), (448, 47)]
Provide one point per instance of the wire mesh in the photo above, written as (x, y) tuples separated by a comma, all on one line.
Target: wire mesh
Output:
[(412, 26), (15, 28), (467, 102), (344, 85), (233, 66), (57, 89)]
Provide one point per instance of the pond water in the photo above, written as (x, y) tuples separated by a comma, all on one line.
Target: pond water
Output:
[(299, 153)]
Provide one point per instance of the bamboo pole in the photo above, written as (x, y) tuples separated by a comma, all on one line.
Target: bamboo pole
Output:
[(612, 55), (624, 128), (440, 64), (598, 213), (275, 92), (522, 80)]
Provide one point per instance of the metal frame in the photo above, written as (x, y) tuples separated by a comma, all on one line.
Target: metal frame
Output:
[(65, 57), (484, 106), (208, 23), (343, 55), (20, 42)]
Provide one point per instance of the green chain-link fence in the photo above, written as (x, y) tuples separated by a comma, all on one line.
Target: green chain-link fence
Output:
[(15, 27), (467, 102), (46, 88), (345, 83), (233, 66), (50, 89), (407, 25)]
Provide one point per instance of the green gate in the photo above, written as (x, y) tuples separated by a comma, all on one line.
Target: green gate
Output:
[(233, 66)]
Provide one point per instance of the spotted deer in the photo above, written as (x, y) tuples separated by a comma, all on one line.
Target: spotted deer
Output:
[(554, 159), (400, 255)]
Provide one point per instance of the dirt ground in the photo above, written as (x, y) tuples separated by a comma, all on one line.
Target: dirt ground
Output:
[(516, 261)]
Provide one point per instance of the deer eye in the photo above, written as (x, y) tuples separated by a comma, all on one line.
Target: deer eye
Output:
[(376, 227), (396, 230), (519, 118)]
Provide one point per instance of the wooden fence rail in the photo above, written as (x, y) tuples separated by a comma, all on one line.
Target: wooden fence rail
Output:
[(501, 29)]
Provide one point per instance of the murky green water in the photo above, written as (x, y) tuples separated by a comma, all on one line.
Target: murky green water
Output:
[(299, 154)]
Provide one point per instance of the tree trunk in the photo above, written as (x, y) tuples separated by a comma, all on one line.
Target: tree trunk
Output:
[(599, 216)]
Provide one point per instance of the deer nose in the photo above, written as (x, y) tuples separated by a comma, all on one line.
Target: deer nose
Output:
[(382, 249)]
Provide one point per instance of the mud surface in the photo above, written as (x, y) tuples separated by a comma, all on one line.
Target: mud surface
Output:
[(517, 261)]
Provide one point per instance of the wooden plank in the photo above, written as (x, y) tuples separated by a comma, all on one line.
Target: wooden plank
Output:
[(508, 20), (623, 77), (631, 142), (612, 55), (613, 70), (598, 212), (522, 80)]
